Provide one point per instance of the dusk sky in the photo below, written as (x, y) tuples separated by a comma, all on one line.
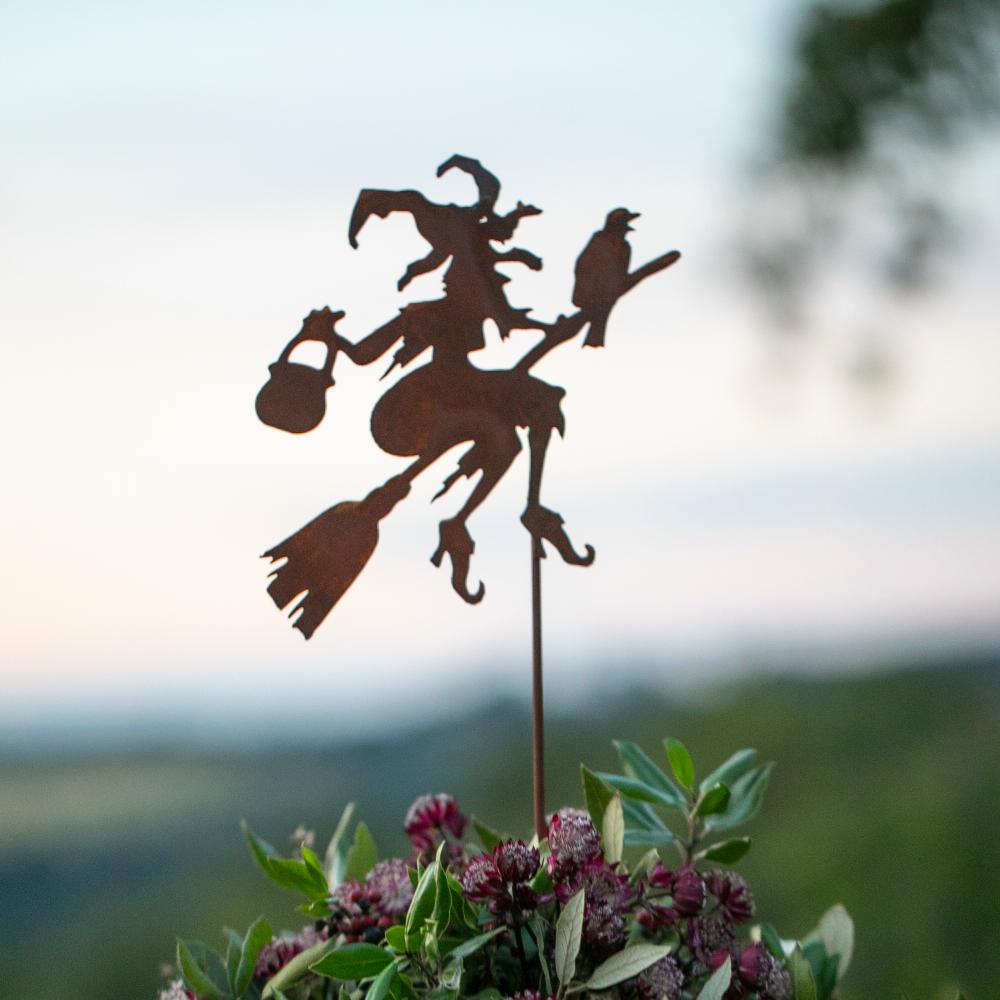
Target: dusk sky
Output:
[(174, 195)]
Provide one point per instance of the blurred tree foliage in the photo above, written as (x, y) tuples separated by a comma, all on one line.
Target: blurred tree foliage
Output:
[(880, 103), (928, 64)]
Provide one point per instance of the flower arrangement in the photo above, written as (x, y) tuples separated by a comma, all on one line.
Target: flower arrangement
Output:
[(582, 912)]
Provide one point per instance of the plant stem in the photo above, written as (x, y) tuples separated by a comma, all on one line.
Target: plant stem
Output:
[(522, 956), (537, 703)]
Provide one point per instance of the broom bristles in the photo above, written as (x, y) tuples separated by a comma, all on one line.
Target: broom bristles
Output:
[(321, 560)]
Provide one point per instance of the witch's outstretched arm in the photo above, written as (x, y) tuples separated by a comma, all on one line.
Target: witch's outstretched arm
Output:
[(375, 345), (517, 255), (320, 326)]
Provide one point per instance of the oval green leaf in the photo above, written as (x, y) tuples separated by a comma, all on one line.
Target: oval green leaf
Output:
[(728, 851), (713, 801), (680, 762), (638, 765), (258, 935), (803, 983), (353, 962), (718, 983), (296, 969), (626, 964), (569, 928)]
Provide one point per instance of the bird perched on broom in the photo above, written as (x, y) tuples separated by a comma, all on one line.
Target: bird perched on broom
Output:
[(602, 272)]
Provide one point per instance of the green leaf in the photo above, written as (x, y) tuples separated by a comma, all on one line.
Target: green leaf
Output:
[(541, 881), (680, 762), (824, 969), (613, 830), (596, 793), (626, 964), (727, 773), (336, 853), (569, 928), (636, 763), (234, 948), (488, 837), (633, 788), (315, 908), (537, 926), (727, 851), (353, 962), (451, 977), (470, 947), (422, 904), (746, 796), (381, 983), (772, 940), (644, 865), (362, 857), (286, 872), (203, 970), (718, 982), (396, 938), (442, 897), (803, 983), (258, 934), (715, 800), (643, 827), (836, 930), (296, 969), (309, 857)]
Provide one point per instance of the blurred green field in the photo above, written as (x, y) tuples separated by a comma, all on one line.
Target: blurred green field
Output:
[(884, 797)]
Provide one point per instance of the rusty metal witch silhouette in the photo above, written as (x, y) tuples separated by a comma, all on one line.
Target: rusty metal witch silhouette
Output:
[(447, 401)]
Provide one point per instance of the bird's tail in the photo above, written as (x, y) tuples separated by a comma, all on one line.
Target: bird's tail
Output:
[(595, 335)]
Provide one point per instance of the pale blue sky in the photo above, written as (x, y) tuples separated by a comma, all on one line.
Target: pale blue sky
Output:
[(174, 196)]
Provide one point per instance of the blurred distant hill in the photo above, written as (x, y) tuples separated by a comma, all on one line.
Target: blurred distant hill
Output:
[(884, 797)]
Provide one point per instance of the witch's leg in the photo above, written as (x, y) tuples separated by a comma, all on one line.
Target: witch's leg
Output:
[(495, 455), (545, 524)]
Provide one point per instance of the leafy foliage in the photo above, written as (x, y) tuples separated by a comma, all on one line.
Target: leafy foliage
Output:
[(485, 917)]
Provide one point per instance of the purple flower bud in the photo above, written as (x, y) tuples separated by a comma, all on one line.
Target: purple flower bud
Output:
[(777, 984), (710, 937), (355, 912), (752, 964), (608, 898), (684, 884), (389, 887), (281, 950), (662, 979), (431, 818), (573, 841), (688, 891), (516, 861), (762, 972), (733, 894), (499, 878), (481, 881)]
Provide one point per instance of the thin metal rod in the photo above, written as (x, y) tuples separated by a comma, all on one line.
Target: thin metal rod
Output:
[(537, 702)]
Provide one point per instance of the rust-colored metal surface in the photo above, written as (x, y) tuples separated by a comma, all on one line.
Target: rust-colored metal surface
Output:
[(446, 401)]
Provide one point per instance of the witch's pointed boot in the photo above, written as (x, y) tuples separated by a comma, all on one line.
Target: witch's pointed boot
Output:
[(456, 543), (546, 525)]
